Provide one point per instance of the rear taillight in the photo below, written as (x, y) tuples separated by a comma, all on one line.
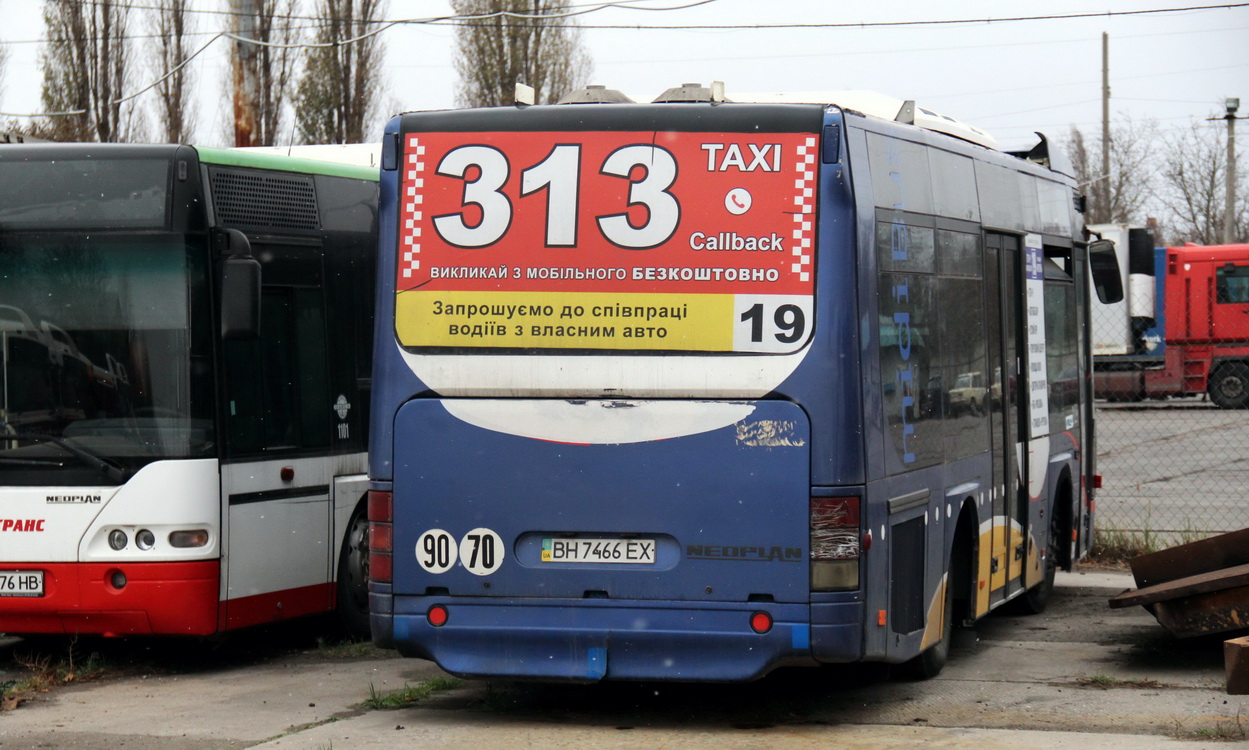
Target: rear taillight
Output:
[(381, 535), (835, 543)]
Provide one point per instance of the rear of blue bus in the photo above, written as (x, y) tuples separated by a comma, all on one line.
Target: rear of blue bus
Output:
[(605, 391)]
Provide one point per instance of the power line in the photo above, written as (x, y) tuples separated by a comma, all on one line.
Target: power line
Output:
[(433, 20), (1018, 131), (574, 10), (463, 20), (315, 45), (469, 20), (893, 24), (908, 50), (1164, 101)]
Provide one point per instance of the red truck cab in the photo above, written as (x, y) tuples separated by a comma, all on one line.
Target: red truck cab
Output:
[(1207, 324)]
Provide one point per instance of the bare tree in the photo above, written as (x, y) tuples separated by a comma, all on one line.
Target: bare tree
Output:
[(171, 28), (338, 93), (505, 42), (10, 130), (1121, 196), (4, 59), (263, 69), (1193, 185), (85, 67)]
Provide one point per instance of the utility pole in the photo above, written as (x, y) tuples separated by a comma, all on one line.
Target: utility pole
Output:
[(1229, 211), (1232, 104), (1106, 123), (245, 73)]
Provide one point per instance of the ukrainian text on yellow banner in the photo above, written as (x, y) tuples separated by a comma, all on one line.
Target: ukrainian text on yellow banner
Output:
[(565, 320)]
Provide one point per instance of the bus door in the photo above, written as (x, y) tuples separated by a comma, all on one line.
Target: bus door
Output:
[(1005, 300), (279, 412)]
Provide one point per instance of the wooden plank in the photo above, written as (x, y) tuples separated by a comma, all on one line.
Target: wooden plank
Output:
[(1202, 583), (1236, 665)]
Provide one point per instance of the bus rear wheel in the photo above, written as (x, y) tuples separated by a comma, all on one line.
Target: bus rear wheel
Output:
[(353, 576), (1229, 385), (1036, 599), (930, 663)]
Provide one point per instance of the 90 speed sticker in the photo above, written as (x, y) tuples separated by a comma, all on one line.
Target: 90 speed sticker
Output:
[(480, 551)]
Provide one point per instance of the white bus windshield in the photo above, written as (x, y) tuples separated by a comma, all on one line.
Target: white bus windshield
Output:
[(95, 336)]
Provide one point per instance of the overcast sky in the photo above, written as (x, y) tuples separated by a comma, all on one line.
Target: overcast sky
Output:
[(1007, 77)]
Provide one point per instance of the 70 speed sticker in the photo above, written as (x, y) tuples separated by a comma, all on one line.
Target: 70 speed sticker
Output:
[(480, 551)]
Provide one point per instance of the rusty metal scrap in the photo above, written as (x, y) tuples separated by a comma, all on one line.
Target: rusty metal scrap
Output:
[(1195, 589)]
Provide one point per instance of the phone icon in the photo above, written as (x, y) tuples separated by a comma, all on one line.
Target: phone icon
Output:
[(737, 201)]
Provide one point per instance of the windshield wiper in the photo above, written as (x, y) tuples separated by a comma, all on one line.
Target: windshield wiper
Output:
[(32, 462), (108, 469)]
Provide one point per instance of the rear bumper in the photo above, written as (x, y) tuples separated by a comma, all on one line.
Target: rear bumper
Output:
[(158, 598), (590, 640)]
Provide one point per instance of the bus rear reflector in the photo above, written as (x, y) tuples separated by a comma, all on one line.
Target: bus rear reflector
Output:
[(437, 615), (835, 543), (381, 535)]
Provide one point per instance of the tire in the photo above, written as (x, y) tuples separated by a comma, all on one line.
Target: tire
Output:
[(1036, 599), (1229, 385), (353, 576), (930, 663)]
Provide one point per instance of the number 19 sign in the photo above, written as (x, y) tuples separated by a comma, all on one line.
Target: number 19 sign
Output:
[(607, 240)]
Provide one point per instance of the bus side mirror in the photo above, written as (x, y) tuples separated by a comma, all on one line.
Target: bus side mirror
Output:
[(1105, 268), (240, 286)]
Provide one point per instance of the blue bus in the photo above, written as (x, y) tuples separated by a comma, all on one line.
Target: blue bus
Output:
[(663, 391)]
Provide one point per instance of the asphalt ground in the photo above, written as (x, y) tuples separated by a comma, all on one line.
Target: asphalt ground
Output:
[(1079, 675)]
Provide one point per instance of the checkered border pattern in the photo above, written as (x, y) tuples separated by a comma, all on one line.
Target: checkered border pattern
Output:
[(804, 214), (413, 181)]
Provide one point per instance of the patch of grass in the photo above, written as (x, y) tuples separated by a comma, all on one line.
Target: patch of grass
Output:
[(10, 695), (409, 695), (334, 649), (1222, 731), (1192, 534), (45, 672), (1104, 682), (1115, 547)]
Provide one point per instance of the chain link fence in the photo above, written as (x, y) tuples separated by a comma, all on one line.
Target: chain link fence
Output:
[(1172, 470), (1172, 381)]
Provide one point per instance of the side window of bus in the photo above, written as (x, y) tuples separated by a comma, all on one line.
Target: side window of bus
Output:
[(910, 371), (968, 392), (277, 386), (1062, 353), (900, 178)]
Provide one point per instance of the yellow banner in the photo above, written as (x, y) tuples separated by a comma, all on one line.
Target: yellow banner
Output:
[(565, 320)]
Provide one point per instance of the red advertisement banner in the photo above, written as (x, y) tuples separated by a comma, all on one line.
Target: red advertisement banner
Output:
[(675, 212)]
